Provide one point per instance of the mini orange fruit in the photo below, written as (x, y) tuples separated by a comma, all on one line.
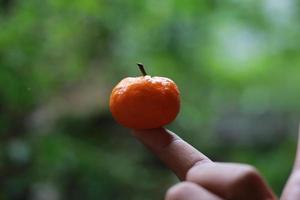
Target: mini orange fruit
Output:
[(145, 102)]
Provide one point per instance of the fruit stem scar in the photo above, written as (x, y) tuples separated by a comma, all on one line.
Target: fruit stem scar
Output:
[(142, 69)]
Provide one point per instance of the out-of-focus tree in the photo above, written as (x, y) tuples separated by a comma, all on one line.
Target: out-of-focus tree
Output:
[(236, 63)]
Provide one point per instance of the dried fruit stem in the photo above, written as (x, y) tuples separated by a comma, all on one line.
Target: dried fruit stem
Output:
[(142, 69)]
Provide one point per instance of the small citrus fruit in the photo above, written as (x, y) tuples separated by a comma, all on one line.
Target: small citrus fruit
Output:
[(145, 102)]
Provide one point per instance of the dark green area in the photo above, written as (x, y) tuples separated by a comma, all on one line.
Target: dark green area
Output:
[(237, 64)]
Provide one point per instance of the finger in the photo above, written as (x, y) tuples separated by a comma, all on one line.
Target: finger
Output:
[(178, 155), (297, 161), (231, 181), (189, 191), (292, 188)]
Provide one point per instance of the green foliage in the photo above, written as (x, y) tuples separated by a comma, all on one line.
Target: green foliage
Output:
[(236, 64)]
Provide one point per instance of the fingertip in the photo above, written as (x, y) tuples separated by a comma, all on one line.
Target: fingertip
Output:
[(141, 132), (178, 155), (154, 139)]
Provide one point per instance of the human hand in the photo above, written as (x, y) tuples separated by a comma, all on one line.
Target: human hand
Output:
[(203, 179)]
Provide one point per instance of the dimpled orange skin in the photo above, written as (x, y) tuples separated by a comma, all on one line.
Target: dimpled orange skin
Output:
[(145, 102)]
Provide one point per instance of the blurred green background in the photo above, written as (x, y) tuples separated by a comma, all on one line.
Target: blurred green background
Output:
[(237, 64)]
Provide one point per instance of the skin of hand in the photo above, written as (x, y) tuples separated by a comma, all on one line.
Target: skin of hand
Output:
[(203, 179)]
